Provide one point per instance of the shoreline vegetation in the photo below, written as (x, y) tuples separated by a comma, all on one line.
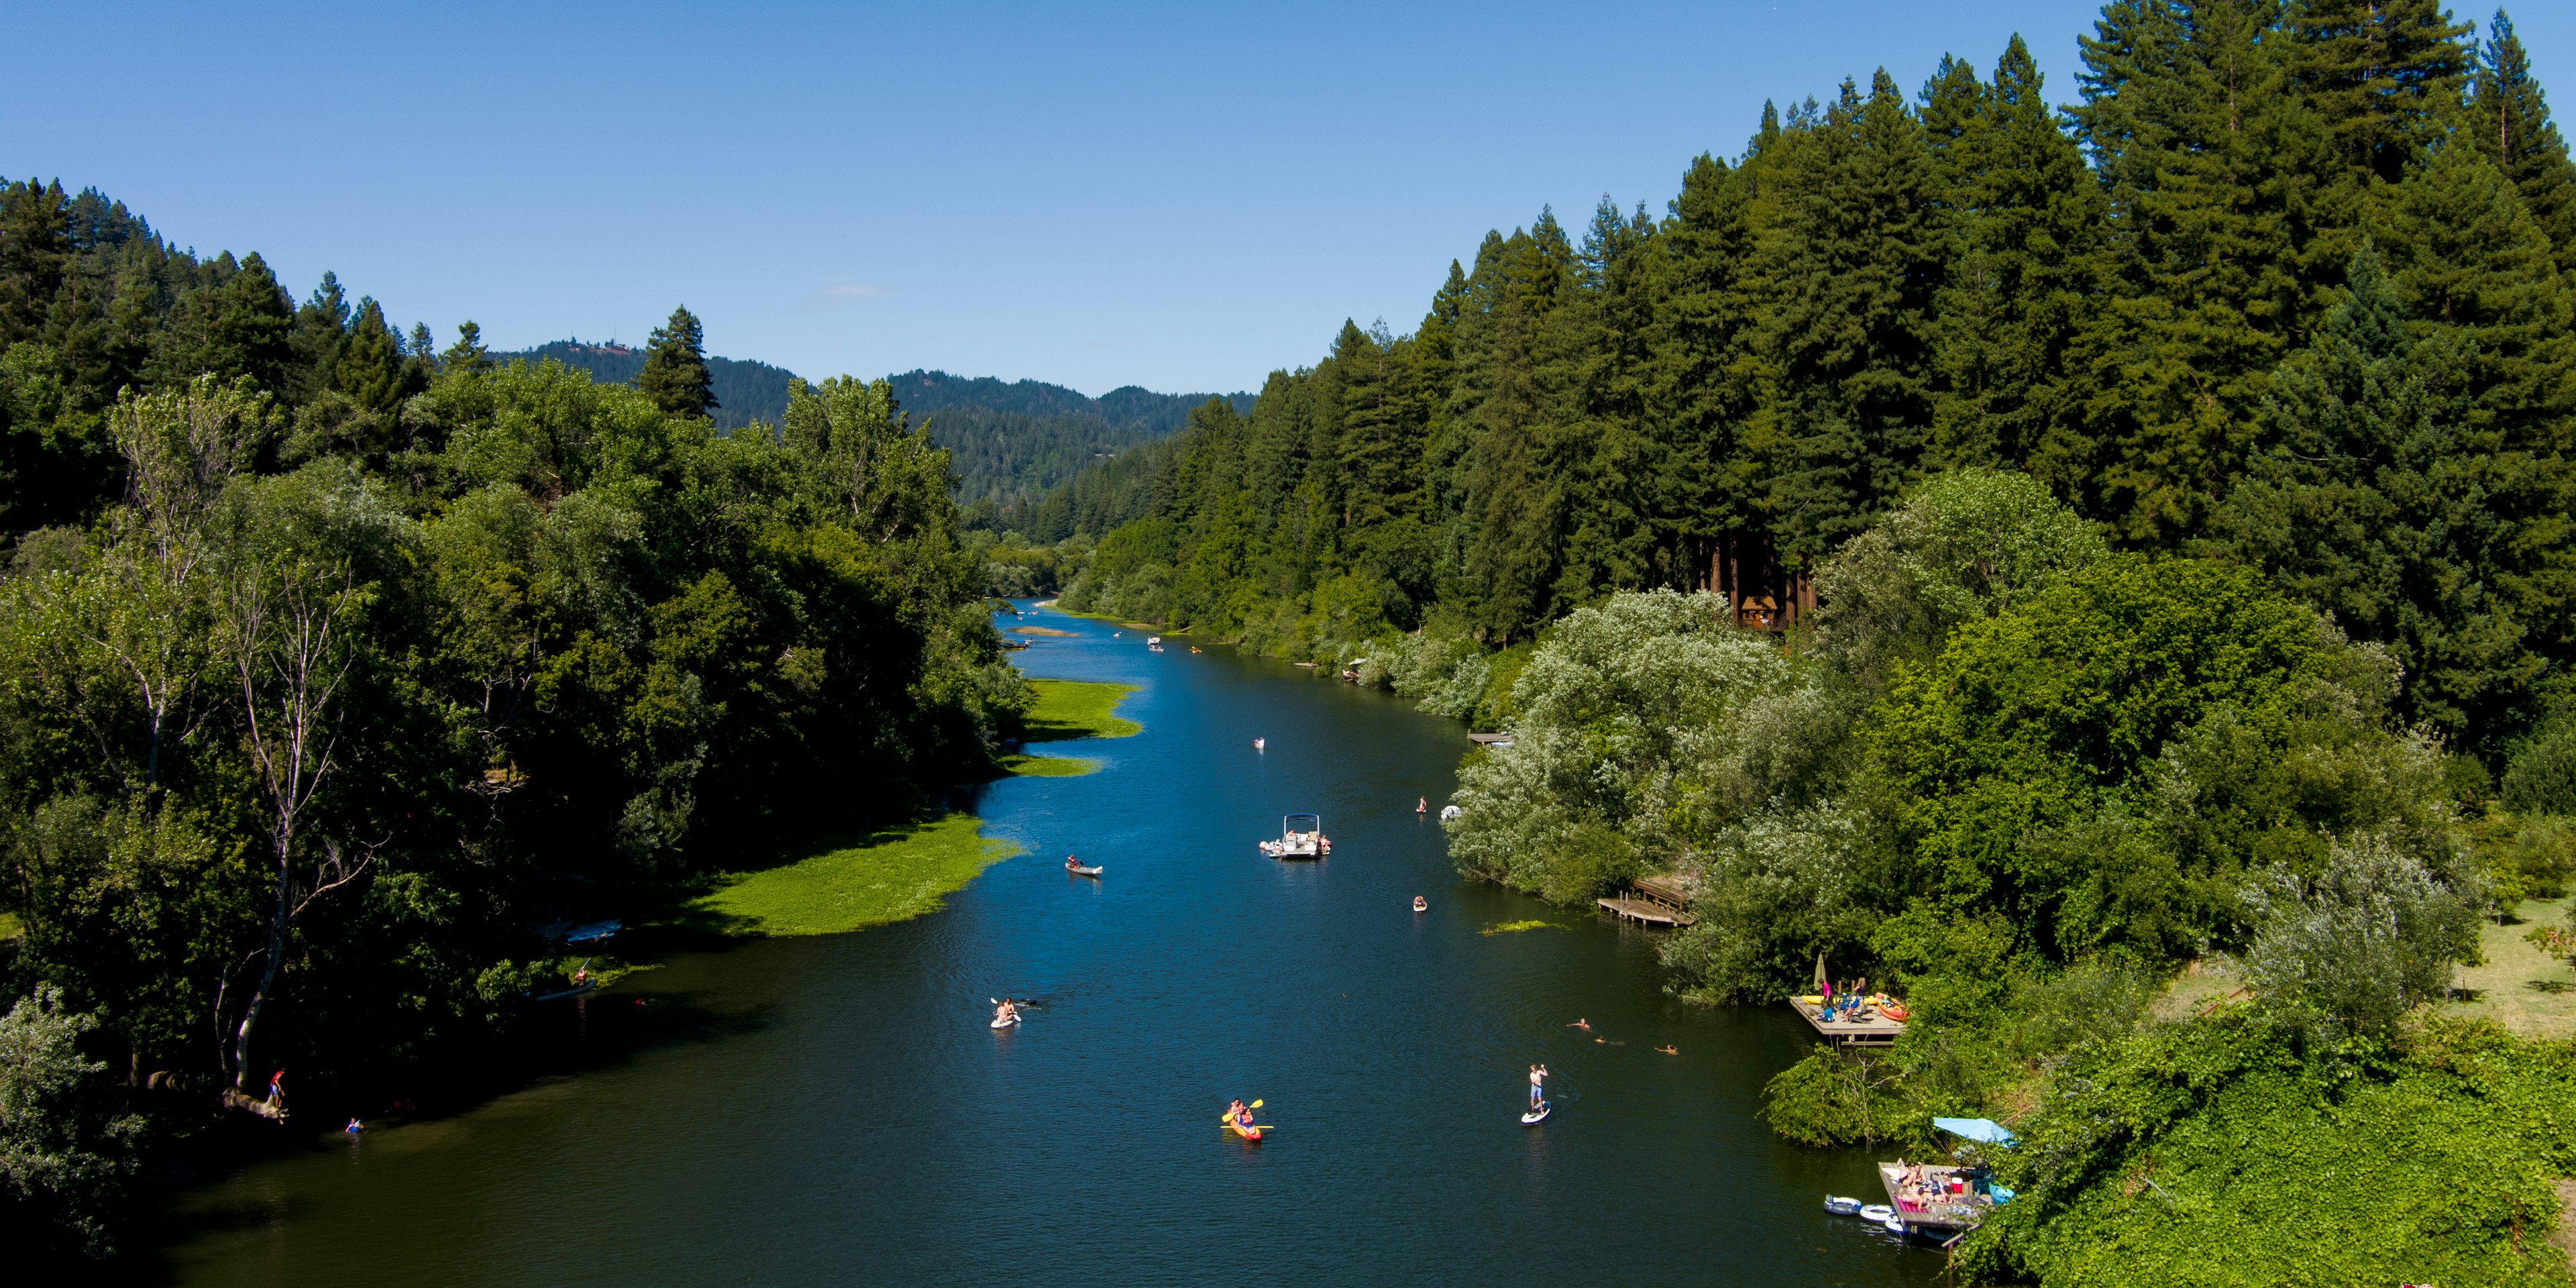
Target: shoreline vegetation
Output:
[(893, 874)]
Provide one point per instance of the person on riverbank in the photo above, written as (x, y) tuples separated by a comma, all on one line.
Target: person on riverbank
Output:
[(1538, 1086)]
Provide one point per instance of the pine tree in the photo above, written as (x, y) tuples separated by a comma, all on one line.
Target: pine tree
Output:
[(675, 371), (1708, 345), (1856, 268), (1626, 478), (319, 328), (369, 366), (2475, 274), (2028, 271), (2380, 73), (35, 255), (2368, 500), (2509, 119), (2217, 174), (468, 353)]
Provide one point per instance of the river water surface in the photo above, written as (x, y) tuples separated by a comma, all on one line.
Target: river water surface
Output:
[(836, 1111)]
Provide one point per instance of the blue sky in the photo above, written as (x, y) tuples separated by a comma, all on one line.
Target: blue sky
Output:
[(1183, 197)]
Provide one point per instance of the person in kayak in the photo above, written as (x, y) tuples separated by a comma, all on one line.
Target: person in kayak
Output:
[(1538, 1085), (1005, 1012)]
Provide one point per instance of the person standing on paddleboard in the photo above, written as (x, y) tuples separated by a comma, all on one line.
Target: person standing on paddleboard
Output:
[(1538, 1085)]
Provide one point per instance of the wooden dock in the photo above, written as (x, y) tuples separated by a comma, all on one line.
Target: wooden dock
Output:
[(1939, 1214), (1628, 908), (1653, 900), (1870, 1029)]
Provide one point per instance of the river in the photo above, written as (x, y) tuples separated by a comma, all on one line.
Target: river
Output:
[(835, 1110)]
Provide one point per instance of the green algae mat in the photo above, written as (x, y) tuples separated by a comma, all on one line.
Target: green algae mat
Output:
[(892, 875)]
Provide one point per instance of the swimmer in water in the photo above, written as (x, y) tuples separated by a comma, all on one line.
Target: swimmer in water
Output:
[(1579, 1023)]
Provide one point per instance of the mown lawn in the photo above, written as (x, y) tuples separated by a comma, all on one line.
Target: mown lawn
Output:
[(894, 874)]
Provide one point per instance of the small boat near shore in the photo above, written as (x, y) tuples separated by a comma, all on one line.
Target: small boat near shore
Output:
[(1840, 1206), (1301, 836), (1081, 871)]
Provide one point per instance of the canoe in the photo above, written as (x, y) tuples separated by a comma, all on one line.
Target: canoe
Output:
[(1878, 1214), (1539, 1115), (1080, 871), (1841, 1206)]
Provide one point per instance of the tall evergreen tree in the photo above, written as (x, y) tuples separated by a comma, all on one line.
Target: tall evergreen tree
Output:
[(2368, 500), (1856, 267), (2475, 274), (675, 374), (2028, 272), (1707, 353), (2380, 73), (369, 367), (2509, 119)]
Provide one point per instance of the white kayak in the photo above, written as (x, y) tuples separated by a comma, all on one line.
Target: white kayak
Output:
[(1006, 1023), (1538, 1115)]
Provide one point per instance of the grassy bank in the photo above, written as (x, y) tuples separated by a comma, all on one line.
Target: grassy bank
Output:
[(891, 875)]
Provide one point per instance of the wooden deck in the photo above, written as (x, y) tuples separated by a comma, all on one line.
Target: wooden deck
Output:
[(1938, 1216), (1871, 1030), (1629, 908)]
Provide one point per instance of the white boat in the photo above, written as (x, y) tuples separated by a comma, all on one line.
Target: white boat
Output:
[(1895, 1225), (1878, 1214), (1155, 640), (1840, 1206), (1301, 836)]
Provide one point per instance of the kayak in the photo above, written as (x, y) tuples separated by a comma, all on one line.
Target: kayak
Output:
[(1081, 871), (1004, 1024), (1252, 1132), (1536, 1116)]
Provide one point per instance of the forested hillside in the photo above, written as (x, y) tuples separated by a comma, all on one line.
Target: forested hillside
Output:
[(340, 672), (745, 390), (2127, 300), (1009, 443)]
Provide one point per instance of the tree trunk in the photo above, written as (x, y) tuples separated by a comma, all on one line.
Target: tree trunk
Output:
[(268, 969)]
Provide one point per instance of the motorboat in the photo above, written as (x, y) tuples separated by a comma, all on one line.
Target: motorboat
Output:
[(1301, 836)]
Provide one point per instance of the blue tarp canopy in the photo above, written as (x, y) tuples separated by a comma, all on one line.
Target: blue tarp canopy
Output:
[(1984, 1129)]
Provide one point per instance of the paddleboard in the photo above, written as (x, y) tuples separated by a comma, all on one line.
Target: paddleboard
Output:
[(1536, 1116)]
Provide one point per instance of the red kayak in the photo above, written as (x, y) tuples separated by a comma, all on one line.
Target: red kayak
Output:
[(1248, 1133)]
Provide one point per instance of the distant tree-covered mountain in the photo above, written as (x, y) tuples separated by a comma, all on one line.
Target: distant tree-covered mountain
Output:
[(745, 390), (1009, 441)]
